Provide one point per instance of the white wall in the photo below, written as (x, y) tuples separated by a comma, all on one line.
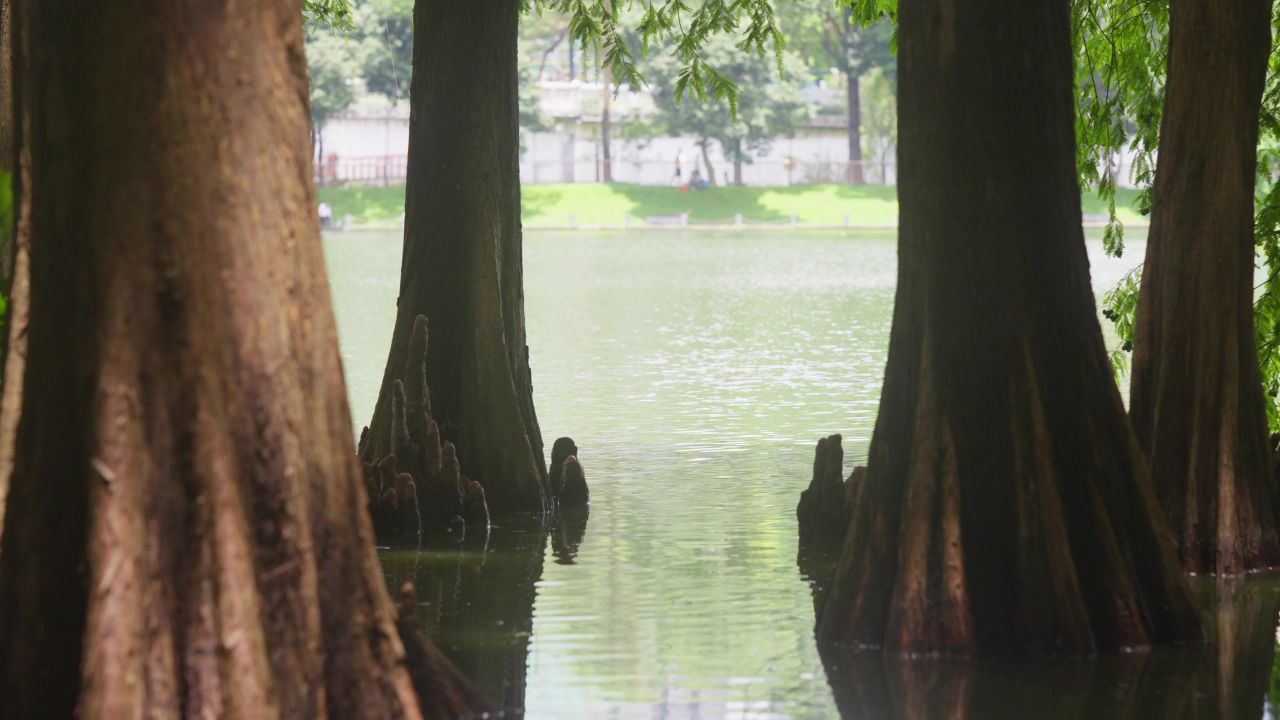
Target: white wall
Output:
[(373, 150)]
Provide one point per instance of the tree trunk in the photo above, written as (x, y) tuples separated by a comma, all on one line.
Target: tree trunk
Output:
[(706, 162), (1006, 507), (1196, 400), (737, 162), (853, 112), (462, 264), (187, 531), (319, 155), (17, 247), (8, 127), (606, 158)]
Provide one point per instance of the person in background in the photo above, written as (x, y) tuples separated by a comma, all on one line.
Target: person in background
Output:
[(696, 181), (326, 215)]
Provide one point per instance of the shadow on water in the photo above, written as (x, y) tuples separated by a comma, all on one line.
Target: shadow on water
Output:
[(476, 598), (1228, 678)]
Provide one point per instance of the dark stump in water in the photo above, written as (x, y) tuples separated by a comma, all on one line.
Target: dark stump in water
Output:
[(563, 449), (823, 511), (575, 493), (568, 480)]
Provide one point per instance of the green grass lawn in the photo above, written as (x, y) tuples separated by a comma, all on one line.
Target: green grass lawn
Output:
[(600, 204)]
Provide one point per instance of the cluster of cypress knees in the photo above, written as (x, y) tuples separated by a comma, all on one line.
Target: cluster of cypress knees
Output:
[(419, 487)]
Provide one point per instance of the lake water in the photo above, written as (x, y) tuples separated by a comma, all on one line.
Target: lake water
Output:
[(695, 372)]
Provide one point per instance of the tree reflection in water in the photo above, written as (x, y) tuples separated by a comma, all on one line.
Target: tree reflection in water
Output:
[(1227, 678), (476, 598), (567, 530)]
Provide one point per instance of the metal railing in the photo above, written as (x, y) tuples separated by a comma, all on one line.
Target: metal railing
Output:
[(391, 170), (375, 170)]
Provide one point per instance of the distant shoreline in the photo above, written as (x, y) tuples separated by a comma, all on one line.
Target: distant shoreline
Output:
[(601, 207), (704, 227)]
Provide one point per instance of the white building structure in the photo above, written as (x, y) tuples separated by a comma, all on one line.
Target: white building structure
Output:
[(369, 144)]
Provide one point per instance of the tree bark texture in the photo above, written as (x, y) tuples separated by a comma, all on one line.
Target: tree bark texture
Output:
[(418, 488), (8, 123), (1196, 397), (1006, 507), (187, 531), (462, 265), (17, 250)]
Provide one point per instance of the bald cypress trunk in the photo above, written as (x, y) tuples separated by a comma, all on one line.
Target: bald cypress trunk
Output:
[(1196, 400), (187, 533), (462, 265), (1006, 507), (16, 252)]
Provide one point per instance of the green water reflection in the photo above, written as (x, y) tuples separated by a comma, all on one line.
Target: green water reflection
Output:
[(695, 371)]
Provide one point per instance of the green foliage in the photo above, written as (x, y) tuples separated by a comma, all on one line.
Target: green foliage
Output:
[(532, 119), (1121, 48), (766, 105), (331, 62), (827, 35), (335, 14), (1120, 305), (598, 27), (1266, 307), (879, 114), (1273, 687), (383, 33)]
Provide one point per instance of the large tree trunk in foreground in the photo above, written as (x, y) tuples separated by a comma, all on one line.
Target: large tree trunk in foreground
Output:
[(462, 264), (187, 532), (17, 248), (1006, 507), (1197, 402)]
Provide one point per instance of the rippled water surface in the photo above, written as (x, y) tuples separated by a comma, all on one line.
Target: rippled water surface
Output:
[(695, 372)]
